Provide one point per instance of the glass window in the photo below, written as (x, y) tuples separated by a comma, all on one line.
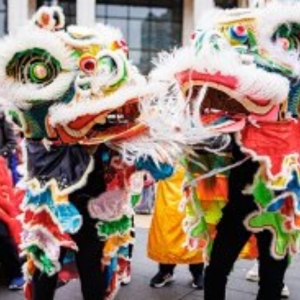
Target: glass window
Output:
[(160, 35), (100, 10), (161, 14), (100, 20), (117, 11), (226, 3), (121, 24), (135, 56), (139, 12), (3, 4), (3, 17), (148, 26), (135, 33)]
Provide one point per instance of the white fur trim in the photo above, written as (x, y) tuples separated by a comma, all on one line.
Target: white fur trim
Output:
[(64, 113), (252, 82)]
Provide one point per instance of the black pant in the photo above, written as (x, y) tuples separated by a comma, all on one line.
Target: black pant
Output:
[(88, 258), (9, 257), (231, 237), (195, 269), (88, 261)]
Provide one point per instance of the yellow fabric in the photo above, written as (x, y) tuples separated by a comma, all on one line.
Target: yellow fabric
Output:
[(166, 237), (113, 244), (212, 211)]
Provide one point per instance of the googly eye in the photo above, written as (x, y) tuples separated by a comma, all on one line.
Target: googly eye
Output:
[(238, 33), (88, 64), (112, 68)]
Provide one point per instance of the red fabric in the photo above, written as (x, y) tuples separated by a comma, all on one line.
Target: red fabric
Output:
[(68, 272), (218, 78), (43, 218), (148, 180), (272, 141), (10, 199)]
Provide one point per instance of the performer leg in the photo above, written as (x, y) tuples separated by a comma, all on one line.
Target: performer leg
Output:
[(197, 273), (164, 275), (230, 239), (9, 256), (196, 269), (167, 268), (43, 286), (88, 260), (271, 270), (89, 255)]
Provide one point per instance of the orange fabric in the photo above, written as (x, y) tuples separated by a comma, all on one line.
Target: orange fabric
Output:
[(218, 191), (250, 249)]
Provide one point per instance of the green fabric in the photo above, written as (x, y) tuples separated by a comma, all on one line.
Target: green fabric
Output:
[(36, 115), (35, 119), (261, 193), (209, 160), (107, 229), (135, 199), (40, 256), (15, 117), (199, 228), (275, 223)]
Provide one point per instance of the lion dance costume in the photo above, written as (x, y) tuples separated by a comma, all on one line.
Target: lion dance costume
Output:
[(76, 98), (240, 76)]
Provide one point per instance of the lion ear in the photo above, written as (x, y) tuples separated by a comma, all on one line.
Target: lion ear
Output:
[(49, 18)]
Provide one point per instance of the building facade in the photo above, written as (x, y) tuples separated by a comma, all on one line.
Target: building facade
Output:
[(149, 26)]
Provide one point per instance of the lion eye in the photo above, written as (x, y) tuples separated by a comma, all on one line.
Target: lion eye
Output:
[(112, 67), (33, 66)]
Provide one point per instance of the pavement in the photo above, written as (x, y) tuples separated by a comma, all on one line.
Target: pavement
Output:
[(144, 269)]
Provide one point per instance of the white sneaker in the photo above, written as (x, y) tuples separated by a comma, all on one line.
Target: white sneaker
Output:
[(285, 293), (252, 274)]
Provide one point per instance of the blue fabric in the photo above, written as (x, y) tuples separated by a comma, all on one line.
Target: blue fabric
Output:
[(13, 164), (158, 172), (110, 270), (66, 213), (292, 189)]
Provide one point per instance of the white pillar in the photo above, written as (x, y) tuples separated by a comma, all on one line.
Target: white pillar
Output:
[(32, 6), (192, 12), (188, 20), (86, 12), (18, 14), (200, 7)]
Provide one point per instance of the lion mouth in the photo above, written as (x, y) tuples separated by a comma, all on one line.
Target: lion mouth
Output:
[(125, 115), (105, 126), (227, 104), (221, 112), (216, 100)]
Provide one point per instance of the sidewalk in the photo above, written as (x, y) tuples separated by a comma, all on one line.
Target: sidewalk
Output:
[(144, 269)]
